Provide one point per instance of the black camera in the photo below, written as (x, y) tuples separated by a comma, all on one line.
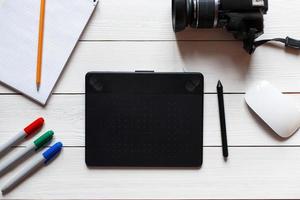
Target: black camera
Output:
[(243, 18)]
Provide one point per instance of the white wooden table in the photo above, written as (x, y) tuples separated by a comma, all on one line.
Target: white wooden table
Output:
[(137, 35)]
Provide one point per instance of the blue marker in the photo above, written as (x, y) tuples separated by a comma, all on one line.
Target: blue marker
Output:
[(41, 160)]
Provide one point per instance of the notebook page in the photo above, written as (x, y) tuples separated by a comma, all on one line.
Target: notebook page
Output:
[(19, 19)]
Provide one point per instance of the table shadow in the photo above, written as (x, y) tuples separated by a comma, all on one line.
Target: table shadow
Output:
[(232, 52)]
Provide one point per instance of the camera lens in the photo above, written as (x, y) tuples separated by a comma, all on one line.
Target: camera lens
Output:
[(207, 12), (179, 14), (243, 18), (194, 13)]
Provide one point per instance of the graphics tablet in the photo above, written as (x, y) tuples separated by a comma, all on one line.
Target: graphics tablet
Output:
[(144, 119)]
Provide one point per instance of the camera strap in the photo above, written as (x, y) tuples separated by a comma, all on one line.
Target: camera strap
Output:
[(250, 45)]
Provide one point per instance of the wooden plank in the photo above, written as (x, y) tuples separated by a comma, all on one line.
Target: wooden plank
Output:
[(65, 115), (250, 173), (226, 61), (151, 20)]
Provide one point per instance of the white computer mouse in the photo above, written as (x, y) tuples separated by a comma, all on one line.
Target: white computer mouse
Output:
[(278, 111)]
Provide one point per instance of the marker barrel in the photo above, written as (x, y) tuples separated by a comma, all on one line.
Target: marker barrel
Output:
[(32, 167), (5, 166), (23, 174), (29, 130), (29, 150), (12, 142)]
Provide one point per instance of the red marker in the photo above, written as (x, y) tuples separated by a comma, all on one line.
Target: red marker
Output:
[(22, 135)]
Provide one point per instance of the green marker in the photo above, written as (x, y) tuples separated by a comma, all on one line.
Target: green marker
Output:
[(29, 150)]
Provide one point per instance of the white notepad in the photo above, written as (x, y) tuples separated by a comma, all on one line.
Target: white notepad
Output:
[(19, 19)]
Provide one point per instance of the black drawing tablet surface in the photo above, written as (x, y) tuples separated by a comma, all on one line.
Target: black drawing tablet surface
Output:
[(144, 119)]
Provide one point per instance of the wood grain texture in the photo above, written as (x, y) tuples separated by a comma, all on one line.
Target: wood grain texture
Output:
[(115, 22), (65, 115), (137, 35), (250, 173), (151, 20), (226, 61)]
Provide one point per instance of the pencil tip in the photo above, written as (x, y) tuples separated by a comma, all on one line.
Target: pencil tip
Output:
[(38, 87)]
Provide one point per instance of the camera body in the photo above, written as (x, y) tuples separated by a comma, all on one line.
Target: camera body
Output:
[(243, 18)]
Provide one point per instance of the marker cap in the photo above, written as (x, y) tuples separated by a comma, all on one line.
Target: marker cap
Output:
[(34, 126), (52, 151), (41, 141)]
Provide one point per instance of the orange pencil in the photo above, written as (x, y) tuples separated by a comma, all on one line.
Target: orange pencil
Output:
[(40, 45)]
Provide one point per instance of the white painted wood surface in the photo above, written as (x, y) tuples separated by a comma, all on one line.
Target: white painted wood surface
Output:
[(151, 20), (261, 173), (137, 34), (65, 115)]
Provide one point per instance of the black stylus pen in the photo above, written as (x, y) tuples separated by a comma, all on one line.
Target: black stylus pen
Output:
[(222, 119)]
